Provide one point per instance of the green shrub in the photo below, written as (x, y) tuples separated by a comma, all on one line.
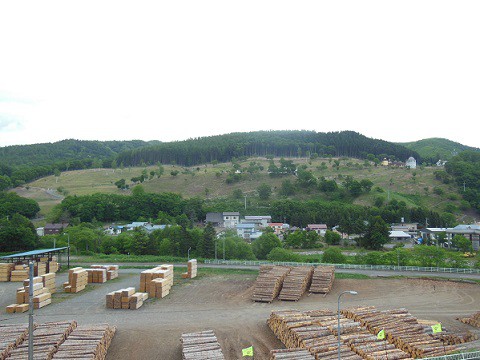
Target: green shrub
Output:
[(280, 254), (334, 255)]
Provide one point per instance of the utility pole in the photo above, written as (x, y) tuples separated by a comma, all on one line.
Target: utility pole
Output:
[(464, 185), (245, 202), (30, 312)]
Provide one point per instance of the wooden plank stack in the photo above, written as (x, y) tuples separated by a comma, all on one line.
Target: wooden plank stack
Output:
[(19, 273), (40, 268), (97, 275), (77, 280), (322, 280), (473, 320), (157, 281), (41, 296), (125, 299), (87, 342), (6, 271), (46, 340), (10, 337), (296, 283), (201, 346), (52, 265), (112, 270), (49, 282), (291, 354), (191, 270), (269, 282)]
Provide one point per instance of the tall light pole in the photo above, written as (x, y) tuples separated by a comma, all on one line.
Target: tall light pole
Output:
[(188, 252), (68, 249), (223, 249), (338, 315)]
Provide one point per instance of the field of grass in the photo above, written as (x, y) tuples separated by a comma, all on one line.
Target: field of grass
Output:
[(414, 186)]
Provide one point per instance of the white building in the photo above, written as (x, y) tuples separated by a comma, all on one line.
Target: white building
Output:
[(411, 163)]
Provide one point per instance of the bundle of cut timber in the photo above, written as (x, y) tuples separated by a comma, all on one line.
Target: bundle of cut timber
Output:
[(97, 275), (112, 270), (322, 279), (269, 282), (125, 299), (473, 320), (46, 340), (49, 282), (291, 354), (52, 266), (6, 271), (40, 268), (77, 280), (191, 270), (296, 283), (87, 342), (157, 281), (200, 346), (41, 296), (19, 273), (10, 337)]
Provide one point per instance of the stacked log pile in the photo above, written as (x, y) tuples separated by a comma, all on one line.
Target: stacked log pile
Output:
[(77, 280), (10, 337), (46, 340), (322, 279), (112, 270), (473, 320), (191, 270), (401, 330), (6, 271), (291, 354), (157, 281), (87, 342), (200, 346), (19, 273), (269, 282), (125, 299), (296, 283)]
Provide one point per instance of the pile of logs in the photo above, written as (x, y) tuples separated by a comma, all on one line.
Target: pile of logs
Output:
[(322, 279), (46, 340), (87, 342), (10, 337), (125, 299), (291, 354), (201, 345), (191, 270), (6, 271), (269, 282), (473, 320), (77, 280), (296, 283)]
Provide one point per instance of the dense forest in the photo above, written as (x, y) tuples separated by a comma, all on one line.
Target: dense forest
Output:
[(465, 169), (223, 148), (434, 149)]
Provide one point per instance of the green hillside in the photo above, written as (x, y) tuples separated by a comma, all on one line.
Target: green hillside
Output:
[(434, 149)]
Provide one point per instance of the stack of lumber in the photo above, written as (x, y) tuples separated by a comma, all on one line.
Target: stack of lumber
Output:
[(49, 282), (52, 266), (10, 337), (97, 275), (6, 271), (87, 342), (157, 281), (269, 282), (19, 273), (296, 283), (473, 320), (40, 268), (191, 270), (112, 270), (401, 329), (125, 299), (322, 280), (77, 280), (46, 340), (41, 296), (200, 346), (291, 354)]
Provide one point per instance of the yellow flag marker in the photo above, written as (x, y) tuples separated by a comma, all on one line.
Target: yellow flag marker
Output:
[(437, 328), (381, 334), (247, 351)]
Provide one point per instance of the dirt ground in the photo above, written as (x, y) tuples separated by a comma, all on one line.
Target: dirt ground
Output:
[(222, 303)]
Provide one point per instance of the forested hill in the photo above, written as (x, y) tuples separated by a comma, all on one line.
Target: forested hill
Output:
[(434, 149), (223, 148)]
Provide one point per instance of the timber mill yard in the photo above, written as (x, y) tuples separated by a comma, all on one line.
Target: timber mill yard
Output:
[(222, 302)]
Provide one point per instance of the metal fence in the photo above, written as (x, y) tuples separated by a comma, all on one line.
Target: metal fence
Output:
[(462, 356), (348, 266)]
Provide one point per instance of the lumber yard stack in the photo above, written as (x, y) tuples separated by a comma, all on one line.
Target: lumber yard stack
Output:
[(473, 320), (125, 299), (49, 282), (157, 281), (40, 267), (42, 295), (112, 270), (6, 271), (322, 279), (87, 342), (10, 337), (52, 265), (191, 270), (269, 282), (201, 345), (47, 338), (291, 354), (77, 280), (19, 273), (296, 283), (96, 275)]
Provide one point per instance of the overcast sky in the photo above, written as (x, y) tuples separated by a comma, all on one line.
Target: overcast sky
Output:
[(171, 70)]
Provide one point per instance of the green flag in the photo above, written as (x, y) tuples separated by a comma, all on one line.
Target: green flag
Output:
[(381, 334), (437, 328), (247, 351)]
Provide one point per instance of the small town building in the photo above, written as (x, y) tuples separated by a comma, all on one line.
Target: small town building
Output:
[(397, 235), (471, 232), (320, 229), (261, 220), (411, 163), (223, 219), (53, 229)]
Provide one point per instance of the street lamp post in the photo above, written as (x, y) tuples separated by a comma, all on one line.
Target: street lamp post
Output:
[(188, 252), (223, 249), (338, 316), (68, 249)]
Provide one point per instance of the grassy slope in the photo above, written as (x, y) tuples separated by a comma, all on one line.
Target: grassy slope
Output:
[(437, 148), (398, 183)]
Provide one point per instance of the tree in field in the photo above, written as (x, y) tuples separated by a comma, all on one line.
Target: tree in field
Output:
[(332, 237), (142, 245), (462, 243), (209, 237), (264, 191), (17, 233), (121, 184), (264, 244), (376, 234)]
